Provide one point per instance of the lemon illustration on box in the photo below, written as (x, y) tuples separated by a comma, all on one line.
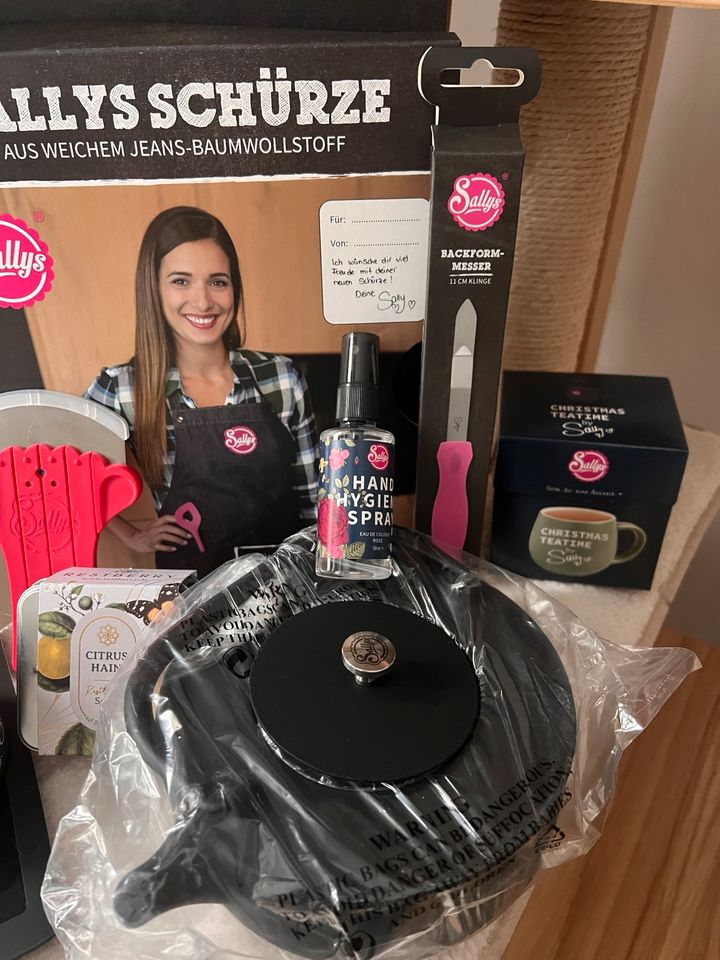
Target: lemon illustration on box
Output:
[(89, 623)]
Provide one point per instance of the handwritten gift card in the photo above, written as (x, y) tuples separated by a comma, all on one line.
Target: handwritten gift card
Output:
[(374, 260)]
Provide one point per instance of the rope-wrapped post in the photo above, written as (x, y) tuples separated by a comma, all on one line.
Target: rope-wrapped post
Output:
[(574, 132)]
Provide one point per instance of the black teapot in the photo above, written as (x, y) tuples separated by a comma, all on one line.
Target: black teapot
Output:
[(3, 750), (357, 765)]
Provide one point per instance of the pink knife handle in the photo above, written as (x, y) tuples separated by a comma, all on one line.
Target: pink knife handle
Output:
[(450, 511)]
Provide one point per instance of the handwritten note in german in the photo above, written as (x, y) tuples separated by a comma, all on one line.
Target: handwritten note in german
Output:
[(374, 260)]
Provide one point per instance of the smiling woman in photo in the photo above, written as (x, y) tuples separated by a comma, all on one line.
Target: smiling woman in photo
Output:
[(224, 437)]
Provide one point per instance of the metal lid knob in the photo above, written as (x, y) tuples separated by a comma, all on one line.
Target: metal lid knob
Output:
[(367, 655)]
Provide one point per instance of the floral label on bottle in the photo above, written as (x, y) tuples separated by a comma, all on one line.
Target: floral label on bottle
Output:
[(355, 497)]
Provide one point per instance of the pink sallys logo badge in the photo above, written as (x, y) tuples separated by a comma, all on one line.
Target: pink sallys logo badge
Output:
[(240, 440), (589, 465), (477, 201), (379, 456), (25, 264)]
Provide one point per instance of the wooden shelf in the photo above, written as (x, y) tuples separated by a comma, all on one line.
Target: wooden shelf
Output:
[(697, 4), (648, 888)]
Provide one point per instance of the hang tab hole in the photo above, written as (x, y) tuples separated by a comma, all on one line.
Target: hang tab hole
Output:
[(481, 74), (40, 472)]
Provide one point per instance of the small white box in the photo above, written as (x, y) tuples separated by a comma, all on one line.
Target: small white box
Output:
[(89, 622)]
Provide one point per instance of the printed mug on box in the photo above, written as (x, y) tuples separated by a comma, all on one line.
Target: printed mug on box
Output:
[(580, 541)]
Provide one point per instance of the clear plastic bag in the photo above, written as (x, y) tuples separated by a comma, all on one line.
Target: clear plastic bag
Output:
[(198, 835)]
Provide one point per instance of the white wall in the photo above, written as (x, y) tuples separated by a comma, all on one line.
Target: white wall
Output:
[(475, 21), (664, 315)]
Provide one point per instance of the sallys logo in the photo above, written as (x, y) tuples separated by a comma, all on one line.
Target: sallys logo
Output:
[(34, 519), (477, 201), (589, 465), (369, 648), (25, 264), (378, 456), (240, 440)]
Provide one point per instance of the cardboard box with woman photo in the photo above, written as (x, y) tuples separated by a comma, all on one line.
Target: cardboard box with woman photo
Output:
[(217, 206)]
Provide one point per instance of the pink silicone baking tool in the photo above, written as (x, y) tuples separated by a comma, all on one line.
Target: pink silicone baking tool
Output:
[(188, 517), (54, 501)]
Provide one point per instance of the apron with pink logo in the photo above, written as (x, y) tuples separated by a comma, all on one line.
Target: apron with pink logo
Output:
[(232, 482)]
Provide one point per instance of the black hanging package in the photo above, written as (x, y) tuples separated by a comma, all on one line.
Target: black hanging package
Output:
[(477, 164)]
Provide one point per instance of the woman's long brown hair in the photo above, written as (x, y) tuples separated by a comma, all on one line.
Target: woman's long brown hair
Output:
[(154, 344)]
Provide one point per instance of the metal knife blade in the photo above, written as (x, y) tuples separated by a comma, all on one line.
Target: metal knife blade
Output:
[(461, 371)]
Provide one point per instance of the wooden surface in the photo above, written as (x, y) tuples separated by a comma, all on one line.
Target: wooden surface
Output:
[(94, 234), (625, 186), (649, 889)]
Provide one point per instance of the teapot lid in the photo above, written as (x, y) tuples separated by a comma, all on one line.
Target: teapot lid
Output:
[(364, 693)]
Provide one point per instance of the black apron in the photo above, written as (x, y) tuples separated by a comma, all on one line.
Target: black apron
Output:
[(233, 478)]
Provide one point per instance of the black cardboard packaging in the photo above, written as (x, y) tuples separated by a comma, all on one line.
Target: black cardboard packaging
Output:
[(168, 102), (477, 159), (588, 469), (372, 15)]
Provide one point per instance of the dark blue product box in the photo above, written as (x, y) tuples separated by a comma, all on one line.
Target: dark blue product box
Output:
[(588, 469)]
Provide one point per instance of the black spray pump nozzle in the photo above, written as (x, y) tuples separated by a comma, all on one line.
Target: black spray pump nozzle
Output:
[(358, 395)]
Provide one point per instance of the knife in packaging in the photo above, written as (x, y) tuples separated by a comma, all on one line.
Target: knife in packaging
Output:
[(455, 453)]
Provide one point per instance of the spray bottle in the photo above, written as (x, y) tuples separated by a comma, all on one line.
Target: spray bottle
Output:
[(355, 488)]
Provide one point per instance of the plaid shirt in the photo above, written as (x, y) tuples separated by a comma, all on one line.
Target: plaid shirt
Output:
[(281, 385)]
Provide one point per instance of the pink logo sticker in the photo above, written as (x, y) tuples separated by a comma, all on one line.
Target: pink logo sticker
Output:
[(240, 440), (477, 201), (379, 456), (589, 465), (25, 264)]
